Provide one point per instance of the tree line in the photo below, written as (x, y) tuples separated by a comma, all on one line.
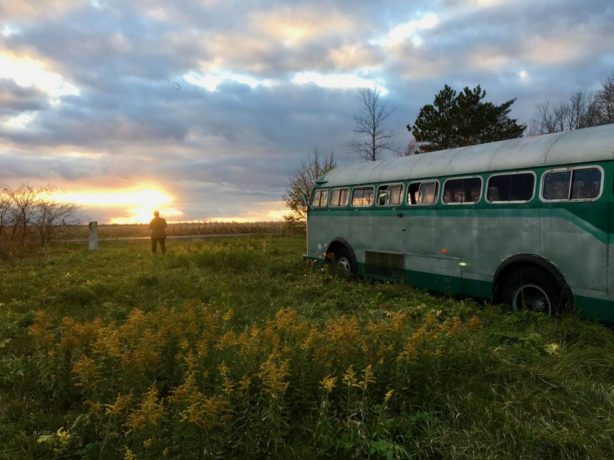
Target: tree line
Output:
[(454, 119), (29, 214), (581, 110)]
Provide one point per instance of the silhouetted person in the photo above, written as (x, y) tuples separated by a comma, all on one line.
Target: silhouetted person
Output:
[(158, 233)]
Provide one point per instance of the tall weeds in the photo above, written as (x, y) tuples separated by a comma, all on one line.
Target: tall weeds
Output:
[(149, 381), (237, 349)]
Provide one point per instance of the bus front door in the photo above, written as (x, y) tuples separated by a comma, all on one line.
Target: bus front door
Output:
[(428, 263), (384, 257)]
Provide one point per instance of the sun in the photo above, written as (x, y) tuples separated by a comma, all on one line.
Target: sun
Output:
[(144, 215), (137, 203)]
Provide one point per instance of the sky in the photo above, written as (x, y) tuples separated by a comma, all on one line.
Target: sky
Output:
[(204, 108)]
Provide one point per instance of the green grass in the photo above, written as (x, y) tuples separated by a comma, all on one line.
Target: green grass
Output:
[(223, 348)]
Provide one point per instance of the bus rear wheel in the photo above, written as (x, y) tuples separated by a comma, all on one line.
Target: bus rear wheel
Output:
[(533, 289), (343, 261)]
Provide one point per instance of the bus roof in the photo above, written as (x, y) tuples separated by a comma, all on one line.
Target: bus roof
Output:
[(578, 146)]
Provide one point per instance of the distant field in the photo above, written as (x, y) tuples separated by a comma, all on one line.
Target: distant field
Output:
[(179, 229), (236, 348)]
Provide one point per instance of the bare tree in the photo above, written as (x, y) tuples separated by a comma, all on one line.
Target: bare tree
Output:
[(23, 200), (543, 122), (49, 214), (302, 183), (593, 115), (412, 148), (27, 209), (5, 209), (553, 118), (369, 124), (582, 110), (604, 101), (578, 108)]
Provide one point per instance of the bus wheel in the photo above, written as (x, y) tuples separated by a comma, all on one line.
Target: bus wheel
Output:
[(343, 261), (533, 289)]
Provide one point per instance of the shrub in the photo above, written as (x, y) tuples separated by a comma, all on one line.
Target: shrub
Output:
[(77, 296), (197, 373)]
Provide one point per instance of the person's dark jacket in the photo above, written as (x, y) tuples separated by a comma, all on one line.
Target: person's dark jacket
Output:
[(158, 227)]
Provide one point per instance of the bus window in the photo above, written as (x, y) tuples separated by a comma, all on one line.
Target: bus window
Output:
[(390, 195), (586, 184), (362, 197), (422, 193), (575, 185), (320, 198), (462, 191), (516, 187), (556, 185), (339, 197)]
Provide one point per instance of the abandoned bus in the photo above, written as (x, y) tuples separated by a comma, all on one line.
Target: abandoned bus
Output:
[(528, 221)]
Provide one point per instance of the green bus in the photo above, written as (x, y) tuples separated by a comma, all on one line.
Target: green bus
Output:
[(527, 221)]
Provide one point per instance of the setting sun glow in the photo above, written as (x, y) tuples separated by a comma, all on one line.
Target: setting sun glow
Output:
[(137, 203)]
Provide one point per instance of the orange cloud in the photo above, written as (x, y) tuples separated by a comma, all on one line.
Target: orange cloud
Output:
[(293, 26)]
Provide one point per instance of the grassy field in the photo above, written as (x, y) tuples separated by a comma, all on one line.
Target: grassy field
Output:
[(237, 348)]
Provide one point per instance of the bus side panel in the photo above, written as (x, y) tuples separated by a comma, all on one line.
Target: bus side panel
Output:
[(572, 241), (610, 249), (387, 233), (427, 265), (459, 241), (359, 231), (608, 195), (595, 308), (422, 232), (441, 274), (504, 232), (316, 235), (322, 228), (575, 241)]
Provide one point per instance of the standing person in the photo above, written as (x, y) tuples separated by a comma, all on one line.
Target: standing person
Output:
[(158, 232)]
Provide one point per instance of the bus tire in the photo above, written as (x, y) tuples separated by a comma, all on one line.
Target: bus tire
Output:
[(343, 261), (534, 289)]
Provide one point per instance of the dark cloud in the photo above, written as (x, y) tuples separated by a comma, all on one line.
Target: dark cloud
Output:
[(15, 99), (41, 168), (235, 120)]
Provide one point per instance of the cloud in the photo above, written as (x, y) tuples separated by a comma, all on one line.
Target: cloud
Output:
[(296, 25), (15, 99), (338, 81), (19, 122), (33, 73), (213, 80), (28, 9), (353, 56), (219, 101), (15, 167), (409, 30)]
